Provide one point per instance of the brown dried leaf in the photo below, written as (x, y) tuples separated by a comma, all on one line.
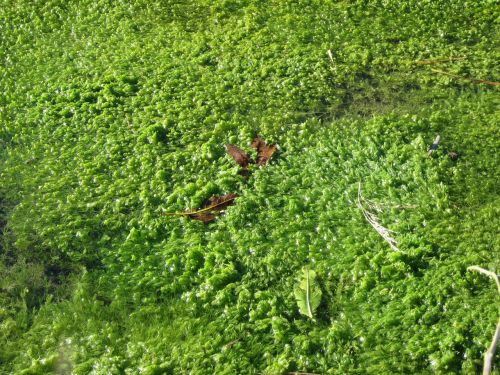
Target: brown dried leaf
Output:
[(264, 151), (239, 156), (257, 143), (266, 154), (214, 206), (209, 211)]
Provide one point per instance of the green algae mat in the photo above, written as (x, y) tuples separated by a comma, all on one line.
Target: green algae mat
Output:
[(346, 252)]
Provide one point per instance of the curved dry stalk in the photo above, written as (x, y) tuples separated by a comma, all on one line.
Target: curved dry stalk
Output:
[(374, 220), (489, 356), (493, 275)]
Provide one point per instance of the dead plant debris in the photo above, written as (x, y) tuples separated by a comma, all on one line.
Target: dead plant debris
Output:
[(264, 151), (213, 207), (470, 79), (239, 156), (434, 145)]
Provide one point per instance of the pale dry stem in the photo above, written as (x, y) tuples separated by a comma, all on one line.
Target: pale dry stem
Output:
[(489, 356), (374, 220), (491, 274), (490, 353)]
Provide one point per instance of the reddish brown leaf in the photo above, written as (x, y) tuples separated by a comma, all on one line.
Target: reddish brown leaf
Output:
[(257, 143), (264, 151), (266, 154), (238, 155)]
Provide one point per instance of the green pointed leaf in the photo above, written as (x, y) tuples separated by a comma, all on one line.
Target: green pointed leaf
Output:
[(307, 292)]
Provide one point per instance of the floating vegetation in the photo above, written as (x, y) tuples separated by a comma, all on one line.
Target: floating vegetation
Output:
[(115, 113)]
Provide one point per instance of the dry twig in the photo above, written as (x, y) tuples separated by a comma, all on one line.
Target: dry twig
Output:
[(374, 221), (493, 275), (490, 353), (475, 80), (439, 61), (489, 356), (330, 55), (434, 145)]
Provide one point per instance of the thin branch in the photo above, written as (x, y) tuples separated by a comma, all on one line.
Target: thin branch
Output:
[(475, 80), (439, 61), (202, 210), (374, 222), (493, 275), (330, 56), (490, 354), (434, 145), (395, 206)]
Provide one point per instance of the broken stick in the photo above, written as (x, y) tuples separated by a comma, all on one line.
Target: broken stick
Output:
[(435, 145), (489, 356)]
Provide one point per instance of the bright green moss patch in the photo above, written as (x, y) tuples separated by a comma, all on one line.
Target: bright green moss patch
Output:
[(112, 114)]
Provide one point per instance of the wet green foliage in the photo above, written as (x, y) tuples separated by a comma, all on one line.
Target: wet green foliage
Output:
[(307, 292), (112, 113)]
